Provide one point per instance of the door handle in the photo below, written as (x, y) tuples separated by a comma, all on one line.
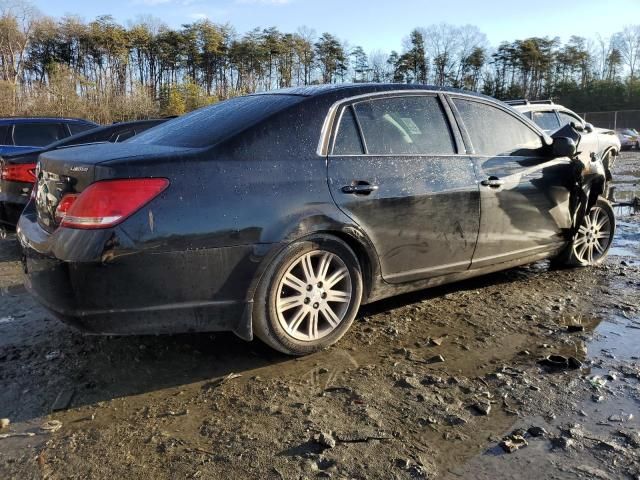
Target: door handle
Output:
[(493, 182), (359, 188)]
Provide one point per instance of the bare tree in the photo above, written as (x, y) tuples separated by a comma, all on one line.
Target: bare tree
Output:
[(628, 43)]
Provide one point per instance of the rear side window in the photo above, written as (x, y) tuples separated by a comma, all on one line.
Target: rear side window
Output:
[(37, 134), (566, 119), (4, 134), (348, 137), (210, 125), (494, 132), (412, 125), (546, 120), (79, 127)]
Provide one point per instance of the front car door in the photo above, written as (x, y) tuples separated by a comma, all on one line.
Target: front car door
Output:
[(394, 169), (524, 194)]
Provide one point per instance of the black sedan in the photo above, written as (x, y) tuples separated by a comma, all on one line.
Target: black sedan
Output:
[(17, 170), (279, 214)]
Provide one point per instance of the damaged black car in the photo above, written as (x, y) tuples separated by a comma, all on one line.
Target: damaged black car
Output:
[(279, 214)]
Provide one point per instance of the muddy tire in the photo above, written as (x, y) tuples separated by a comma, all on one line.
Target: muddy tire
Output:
[(309, 296), (591, 243)]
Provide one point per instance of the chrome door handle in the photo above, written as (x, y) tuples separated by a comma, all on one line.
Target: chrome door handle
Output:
[(359, 189)]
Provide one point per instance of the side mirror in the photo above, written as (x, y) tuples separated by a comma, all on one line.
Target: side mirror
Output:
[(588, 127), (564, 147)]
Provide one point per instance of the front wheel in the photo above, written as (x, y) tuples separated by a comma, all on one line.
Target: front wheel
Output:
[(591, 243), (309, 296)]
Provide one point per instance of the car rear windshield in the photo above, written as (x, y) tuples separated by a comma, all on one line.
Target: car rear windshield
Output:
[(209, 125)]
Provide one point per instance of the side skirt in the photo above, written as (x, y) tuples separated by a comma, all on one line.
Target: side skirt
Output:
[(382, 290)]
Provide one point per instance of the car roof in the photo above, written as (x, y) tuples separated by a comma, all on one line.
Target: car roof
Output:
[(355, 89), (541, 107), (12, 120)]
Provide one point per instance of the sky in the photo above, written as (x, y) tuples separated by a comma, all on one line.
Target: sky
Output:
[(375, 24)]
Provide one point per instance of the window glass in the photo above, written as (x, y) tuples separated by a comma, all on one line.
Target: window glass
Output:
[(348, 138), (209, 125), (37, 134), (495, 132), (566, 119), (79, 127), (121, 136), (412, 125), (546, 120), (4, 132)]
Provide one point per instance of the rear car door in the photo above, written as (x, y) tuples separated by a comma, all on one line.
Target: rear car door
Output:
[(394, 169), (524, 195)]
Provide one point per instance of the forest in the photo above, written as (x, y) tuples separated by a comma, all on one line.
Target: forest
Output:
[(106, 71)]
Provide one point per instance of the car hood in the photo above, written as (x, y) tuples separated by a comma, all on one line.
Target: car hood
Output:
[(604, 131)]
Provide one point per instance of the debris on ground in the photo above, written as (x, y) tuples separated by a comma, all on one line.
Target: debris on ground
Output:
[(51, 426), (559, 362)]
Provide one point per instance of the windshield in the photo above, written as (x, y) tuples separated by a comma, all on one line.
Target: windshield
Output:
[(209, 125)]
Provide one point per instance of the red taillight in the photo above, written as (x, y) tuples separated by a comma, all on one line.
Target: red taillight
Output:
[(25, 173), (65, 205), (107, 203)]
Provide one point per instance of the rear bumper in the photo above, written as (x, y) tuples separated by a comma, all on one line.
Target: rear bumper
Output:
[(142, 292)]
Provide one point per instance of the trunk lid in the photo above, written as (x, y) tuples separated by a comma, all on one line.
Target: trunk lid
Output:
[(71, 170)]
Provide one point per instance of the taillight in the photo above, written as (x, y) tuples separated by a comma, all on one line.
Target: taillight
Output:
[(25, 173), (106, 203), (65, 205)]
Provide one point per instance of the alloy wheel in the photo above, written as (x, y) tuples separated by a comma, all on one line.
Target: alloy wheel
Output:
[(314, 295), (594, 237)]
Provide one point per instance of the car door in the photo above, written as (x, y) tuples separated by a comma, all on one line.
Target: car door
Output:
[(524, 195), (394, 169)]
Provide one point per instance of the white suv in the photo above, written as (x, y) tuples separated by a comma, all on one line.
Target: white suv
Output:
[(551, 117)]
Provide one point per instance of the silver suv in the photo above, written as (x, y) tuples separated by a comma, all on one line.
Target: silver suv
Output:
[(551, 117)]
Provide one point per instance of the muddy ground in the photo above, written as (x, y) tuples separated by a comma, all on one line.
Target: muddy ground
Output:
[(425, 385)]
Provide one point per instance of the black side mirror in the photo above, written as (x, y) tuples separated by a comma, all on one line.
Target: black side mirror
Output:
[(564, 147)]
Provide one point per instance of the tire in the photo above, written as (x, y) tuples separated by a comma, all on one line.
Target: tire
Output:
[(294, 311), (591, 243)]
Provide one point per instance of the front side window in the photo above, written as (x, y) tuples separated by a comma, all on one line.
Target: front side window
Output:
[(546, 120), (348, 138), (567, 118), (37, 134), (412, 125), (494, 132)]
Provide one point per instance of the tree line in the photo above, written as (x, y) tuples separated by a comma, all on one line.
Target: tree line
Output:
[(106, 71)]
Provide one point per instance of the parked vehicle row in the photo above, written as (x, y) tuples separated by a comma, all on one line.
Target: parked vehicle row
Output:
[(17, 170), (279, 214)]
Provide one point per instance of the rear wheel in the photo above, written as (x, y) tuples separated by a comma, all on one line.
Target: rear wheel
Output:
[(591, 243), (309, 296)]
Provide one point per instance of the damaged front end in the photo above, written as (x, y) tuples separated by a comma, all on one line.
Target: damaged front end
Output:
[(589, 179)]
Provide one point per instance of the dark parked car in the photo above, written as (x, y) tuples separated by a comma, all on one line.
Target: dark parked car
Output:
[(28, 133), (17, 171), (279, 214)]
